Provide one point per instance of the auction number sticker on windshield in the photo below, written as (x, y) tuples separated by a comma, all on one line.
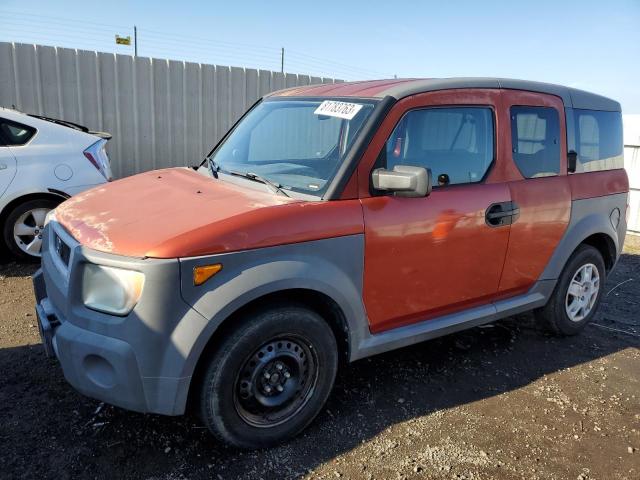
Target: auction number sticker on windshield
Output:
[(333, 108)]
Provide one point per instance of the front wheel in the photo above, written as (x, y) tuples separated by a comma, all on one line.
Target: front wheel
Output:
[(577, 294), (269, 378)]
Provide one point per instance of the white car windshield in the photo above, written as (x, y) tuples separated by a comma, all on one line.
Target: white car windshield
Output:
[(297, 145)]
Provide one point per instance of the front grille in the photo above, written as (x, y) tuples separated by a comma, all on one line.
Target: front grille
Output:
[(61, 249)]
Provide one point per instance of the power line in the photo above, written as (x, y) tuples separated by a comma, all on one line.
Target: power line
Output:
[(38, 23), (155, 43), (59, 19), (270, 49), (164, 51), (80, 36), (48, 38), (209, 40), (326, 61)]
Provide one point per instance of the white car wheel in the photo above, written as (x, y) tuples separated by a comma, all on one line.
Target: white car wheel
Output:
[(22, 228), (27, 231)]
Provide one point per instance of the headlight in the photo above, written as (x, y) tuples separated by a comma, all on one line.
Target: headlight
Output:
[(111, 290)]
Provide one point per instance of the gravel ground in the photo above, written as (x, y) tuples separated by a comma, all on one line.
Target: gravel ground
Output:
[(500, 401)]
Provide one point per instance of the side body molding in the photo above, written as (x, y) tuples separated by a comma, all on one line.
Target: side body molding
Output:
[(332, 266)]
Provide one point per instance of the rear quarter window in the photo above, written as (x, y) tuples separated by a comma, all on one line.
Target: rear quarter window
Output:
[(15, 134), (598, 140)]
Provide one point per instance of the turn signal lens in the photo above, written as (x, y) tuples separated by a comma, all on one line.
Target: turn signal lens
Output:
[(204, 272)]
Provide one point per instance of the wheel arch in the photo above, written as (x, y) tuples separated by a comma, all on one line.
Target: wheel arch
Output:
[(605, 245), (315, 300), (52, 194), (590, 226)]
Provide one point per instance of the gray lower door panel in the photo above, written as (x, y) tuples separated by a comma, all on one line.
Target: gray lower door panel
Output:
[(401, 337)]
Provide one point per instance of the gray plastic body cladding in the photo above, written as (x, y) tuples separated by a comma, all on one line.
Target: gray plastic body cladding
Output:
[(141, 347), (368, 344), (333, 267), (588, 217)]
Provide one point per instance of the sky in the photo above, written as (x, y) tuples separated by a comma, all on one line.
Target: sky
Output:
[(592, 45)]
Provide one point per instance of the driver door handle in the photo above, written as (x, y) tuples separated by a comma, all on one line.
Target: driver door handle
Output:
[(502, 213)]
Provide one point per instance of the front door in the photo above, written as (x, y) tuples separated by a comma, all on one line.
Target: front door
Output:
[(431, 256)]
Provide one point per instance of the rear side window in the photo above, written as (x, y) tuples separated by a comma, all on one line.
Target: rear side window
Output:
[(13, 133), (456, 143), (598, 140), (535, 141)]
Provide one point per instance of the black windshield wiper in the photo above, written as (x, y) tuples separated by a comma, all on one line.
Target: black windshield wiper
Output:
[(214, 168), (275, 187)]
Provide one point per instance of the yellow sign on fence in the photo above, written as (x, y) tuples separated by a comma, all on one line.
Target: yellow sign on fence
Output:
[(123, 40)]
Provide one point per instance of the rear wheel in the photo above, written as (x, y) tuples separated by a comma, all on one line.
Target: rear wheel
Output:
[(577, 294), (269, 378), (22, 230)]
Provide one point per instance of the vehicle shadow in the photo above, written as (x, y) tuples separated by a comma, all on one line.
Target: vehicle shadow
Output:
[(14, 269), (11, 268), (42, 413)]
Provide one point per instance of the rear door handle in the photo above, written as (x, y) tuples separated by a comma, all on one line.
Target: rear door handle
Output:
[(502, 213), (3, 166)]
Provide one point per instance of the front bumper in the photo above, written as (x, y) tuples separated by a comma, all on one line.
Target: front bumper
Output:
[(134, 362), (97, 366)]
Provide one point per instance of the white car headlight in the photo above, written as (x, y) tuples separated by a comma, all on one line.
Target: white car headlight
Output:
[(111, 290)]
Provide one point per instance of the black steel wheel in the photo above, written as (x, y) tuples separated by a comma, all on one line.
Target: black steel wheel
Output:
[(276, 381), (270, 377)]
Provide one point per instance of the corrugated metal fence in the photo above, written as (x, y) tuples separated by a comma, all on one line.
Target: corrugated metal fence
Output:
[(632, 164), (161, 112)]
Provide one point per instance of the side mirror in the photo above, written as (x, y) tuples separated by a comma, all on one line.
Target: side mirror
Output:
[(403, 180)]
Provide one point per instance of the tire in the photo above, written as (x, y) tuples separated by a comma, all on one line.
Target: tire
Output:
[(269, 378), (27, 214), (565, 313)]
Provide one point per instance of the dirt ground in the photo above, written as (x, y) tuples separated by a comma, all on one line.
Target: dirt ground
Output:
[(501, 401)]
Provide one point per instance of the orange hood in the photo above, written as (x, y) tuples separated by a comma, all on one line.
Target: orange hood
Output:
[(180, 213)]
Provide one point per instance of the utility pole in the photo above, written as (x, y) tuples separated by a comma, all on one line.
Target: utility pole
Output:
[(135, 41), (282, 60)]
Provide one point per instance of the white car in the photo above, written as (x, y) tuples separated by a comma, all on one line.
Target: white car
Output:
[(43, 161)]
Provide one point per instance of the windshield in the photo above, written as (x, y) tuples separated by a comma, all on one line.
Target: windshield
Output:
[(296, 144)]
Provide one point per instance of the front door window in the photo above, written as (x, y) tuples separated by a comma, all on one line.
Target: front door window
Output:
[(456, 143)]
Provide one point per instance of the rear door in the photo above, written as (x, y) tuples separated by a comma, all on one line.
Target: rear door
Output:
[(539, 156), (426, 257)]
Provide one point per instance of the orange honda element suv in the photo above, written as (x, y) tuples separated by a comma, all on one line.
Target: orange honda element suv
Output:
[(333, 222)]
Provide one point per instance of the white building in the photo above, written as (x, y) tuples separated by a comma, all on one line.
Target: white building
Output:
[(632, 165)]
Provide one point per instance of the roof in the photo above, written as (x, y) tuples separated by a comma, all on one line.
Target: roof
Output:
[(400, 88)]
